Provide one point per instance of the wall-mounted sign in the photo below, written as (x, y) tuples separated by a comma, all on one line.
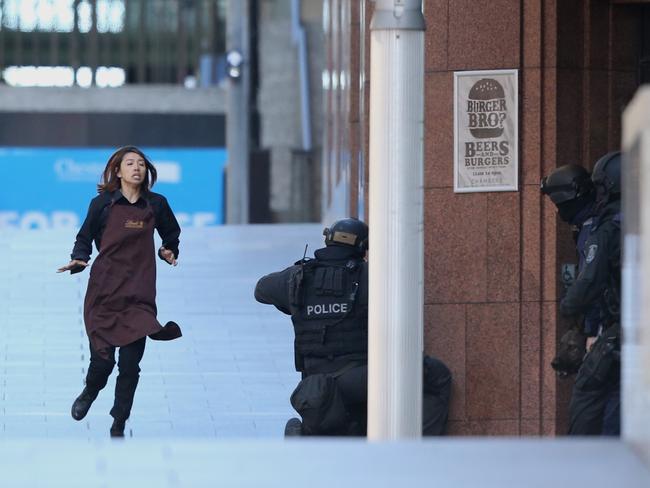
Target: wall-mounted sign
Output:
[(50, 188), (486, 134)]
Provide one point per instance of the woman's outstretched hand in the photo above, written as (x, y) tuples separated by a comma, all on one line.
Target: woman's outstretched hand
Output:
[(167, 255), (75, 263)]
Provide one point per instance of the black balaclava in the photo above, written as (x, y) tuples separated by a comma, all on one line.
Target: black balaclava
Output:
[(571, 211)]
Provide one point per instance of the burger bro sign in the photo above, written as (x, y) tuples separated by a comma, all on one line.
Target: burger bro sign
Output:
[(485, 131)]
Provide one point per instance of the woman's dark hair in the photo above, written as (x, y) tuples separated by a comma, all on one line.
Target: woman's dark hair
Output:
[(110, 181)]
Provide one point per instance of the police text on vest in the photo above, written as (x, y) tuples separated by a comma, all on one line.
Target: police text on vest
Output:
[(327, 308)]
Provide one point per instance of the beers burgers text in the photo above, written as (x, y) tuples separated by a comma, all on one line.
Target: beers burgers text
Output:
[(488, 153)]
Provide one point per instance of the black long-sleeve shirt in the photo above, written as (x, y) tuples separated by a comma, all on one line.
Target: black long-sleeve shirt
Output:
[(601, 253), (93, 227)]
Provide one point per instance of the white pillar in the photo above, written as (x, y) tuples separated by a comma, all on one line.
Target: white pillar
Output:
[(396, 220), (635, 310)]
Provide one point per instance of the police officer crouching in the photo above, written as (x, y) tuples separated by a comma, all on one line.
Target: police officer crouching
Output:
[(594, 207), (327, 298)]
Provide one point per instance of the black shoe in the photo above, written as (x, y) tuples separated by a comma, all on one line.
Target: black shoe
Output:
[(82, 404), (293, 428), (117, 429), (169, 332)]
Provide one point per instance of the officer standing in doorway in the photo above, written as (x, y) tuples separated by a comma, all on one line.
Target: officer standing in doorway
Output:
[(595, 294), (327, 298), (571, 190)]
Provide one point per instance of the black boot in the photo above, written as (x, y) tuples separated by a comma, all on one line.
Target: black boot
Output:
[(117, 429), (293, 428), (169, 332), (82, 404)]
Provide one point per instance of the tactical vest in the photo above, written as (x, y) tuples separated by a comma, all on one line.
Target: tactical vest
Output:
[(329, 309), (612, 292)]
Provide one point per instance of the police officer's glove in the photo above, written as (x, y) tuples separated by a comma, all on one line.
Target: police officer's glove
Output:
[(570, 353)]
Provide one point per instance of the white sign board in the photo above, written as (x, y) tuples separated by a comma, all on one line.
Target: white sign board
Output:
[(486, 131)]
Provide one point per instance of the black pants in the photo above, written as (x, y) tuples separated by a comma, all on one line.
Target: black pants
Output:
[(127, 380), (353, 386), (597, 411)]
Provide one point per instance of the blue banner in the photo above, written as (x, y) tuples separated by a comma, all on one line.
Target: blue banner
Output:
[(47, 188)]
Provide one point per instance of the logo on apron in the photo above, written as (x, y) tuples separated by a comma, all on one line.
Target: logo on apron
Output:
[(134, 224)]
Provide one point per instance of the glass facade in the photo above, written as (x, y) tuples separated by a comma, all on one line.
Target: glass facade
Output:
[(111, 42)]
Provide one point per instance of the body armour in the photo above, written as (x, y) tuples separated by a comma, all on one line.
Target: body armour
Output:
[(329, 308)]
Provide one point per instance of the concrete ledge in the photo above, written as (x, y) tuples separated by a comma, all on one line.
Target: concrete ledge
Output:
[(127, 99), (480, 463)]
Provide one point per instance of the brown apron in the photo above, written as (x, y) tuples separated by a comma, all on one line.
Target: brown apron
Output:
[(120, 304)]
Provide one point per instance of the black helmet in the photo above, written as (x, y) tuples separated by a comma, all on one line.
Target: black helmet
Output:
[(347, 232), (606, 177), (566, 183)]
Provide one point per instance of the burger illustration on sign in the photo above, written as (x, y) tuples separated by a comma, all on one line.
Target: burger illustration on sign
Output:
[(486, 109)]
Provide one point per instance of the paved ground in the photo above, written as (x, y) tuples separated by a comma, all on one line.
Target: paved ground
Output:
[(230, 375), (211, 407)]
